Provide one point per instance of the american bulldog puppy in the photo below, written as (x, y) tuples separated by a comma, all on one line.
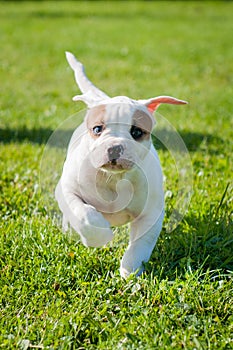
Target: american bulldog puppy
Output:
[(112, 174)]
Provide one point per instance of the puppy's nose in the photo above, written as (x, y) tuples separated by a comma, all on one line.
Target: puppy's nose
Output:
[(115, 152)]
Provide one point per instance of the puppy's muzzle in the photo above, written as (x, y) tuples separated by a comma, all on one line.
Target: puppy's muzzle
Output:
[(116, 160), (114, 153)]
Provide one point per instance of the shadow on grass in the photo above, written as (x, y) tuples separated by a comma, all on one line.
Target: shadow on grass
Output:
[(206, 248), (77, 12), (208, 245), (38, 136), (192, 140)]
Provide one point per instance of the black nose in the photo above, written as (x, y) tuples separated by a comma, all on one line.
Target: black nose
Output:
[(115, 152)]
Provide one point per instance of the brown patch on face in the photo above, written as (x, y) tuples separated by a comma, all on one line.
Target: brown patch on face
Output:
[(144, 122), (95, 121)]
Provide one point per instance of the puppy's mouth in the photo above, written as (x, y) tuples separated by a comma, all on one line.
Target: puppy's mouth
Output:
[(118, 165)]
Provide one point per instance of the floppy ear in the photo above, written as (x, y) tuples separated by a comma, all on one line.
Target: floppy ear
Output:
[(153, 103), (89, 98)]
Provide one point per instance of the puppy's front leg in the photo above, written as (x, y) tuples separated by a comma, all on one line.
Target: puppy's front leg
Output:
[(140, 249), (92, 227)]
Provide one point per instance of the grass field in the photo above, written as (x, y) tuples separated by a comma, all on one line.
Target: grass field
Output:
[(57, 294)]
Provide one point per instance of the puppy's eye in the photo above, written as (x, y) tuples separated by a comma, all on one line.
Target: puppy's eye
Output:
[(97, 130), (136, 132)]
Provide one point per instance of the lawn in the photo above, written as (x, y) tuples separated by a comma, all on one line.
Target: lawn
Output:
[(57, 294)]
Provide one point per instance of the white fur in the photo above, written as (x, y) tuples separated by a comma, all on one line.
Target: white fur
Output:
[(92, 196)]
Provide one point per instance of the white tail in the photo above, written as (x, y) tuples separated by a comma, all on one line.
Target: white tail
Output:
[(90, 91), (92, 96)]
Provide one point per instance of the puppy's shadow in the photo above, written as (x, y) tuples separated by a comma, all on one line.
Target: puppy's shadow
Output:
[(208, 245)]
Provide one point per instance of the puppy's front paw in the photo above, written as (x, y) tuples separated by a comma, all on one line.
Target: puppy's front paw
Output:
[(126, 271), (132, 261), (94, 229)]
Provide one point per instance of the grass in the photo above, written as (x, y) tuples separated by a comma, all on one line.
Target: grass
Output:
[(57, 294)]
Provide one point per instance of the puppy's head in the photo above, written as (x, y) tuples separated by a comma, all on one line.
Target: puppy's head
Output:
[(119, 134), (119, 128)]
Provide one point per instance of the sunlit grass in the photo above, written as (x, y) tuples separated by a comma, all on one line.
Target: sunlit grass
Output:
[(54, 292)]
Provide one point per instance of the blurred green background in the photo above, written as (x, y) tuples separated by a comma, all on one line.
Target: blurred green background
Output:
[(57, 294)]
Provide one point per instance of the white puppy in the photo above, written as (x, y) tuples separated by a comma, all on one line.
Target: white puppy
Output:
[(112, 173)]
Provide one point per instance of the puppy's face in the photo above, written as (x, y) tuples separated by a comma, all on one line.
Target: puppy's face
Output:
[(119, 135)]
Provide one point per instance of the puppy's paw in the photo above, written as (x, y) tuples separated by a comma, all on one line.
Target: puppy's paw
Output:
[(132, 260), (126, 271), (94, 229)]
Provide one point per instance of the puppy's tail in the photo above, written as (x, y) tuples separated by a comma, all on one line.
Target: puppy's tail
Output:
[(84, 84), (73, 62)]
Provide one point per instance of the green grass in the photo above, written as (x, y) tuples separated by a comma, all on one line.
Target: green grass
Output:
[(57, 294)]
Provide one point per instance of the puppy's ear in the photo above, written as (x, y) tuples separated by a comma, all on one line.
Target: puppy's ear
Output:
[(89, 98), (153, 103)]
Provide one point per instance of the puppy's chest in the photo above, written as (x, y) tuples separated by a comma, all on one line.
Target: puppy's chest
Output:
[(120, 197)]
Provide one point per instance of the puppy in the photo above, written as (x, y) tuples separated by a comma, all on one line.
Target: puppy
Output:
[(112, 174)]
